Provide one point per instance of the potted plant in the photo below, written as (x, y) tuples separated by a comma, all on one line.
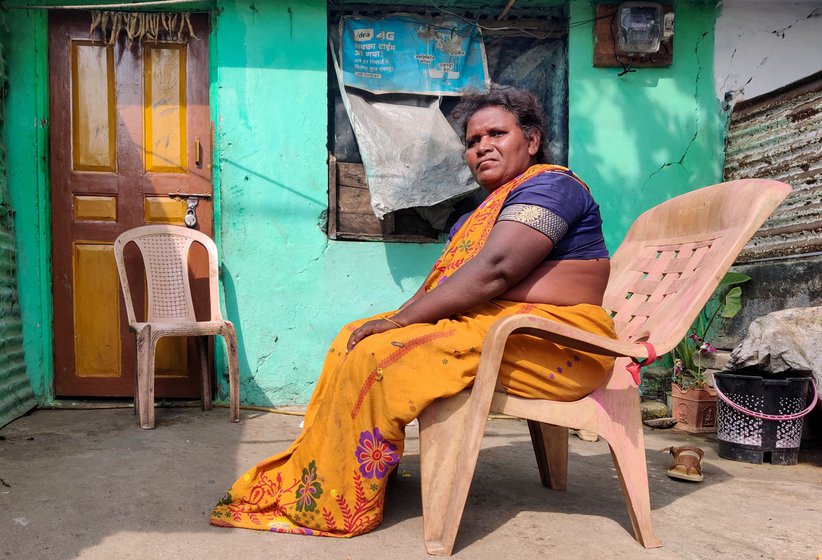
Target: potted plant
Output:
[(693, 401)]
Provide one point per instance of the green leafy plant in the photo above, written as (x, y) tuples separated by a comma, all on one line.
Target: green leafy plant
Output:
[(687, 356)]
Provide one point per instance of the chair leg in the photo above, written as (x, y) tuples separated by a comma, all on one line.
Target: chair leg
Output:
[(628, 453), (230, 337), (551, 449), (451, 433), (205, 371), (137, 383), (443, 445), (145, 378)]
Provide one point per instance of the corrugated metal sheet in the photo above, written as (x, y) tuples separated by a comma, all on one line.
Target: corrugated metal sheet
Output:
[(16, 397), (779, 136)]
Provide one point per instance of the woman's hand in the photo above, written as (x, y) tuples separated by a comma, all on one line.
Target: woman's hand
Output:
[(367, 329)]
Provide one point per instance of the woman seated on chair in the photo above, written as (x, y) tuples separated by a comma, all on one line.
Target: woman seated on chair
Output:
[(533, 246)]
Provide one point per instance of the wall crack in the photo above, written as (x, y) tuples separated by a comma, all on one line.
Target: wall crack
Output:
[(264, 358), (730, 96), (314, 260), (697, 116), (781, 31)]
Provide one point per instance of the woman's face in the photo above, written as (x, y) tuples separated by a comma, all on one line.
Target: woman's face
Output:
[(496, 148)]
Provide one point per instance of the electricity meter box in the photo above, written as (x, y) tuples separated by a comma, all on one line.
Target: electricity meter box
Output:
[(633, 34), (640, 27)]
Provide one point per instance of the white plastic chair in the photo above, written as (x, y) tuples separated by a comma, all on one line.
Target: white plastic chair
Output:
[(165, 251)]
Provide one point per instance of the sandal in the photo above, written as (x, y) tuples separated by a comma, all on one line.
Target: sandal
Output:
[(586, 435), (687, 463)]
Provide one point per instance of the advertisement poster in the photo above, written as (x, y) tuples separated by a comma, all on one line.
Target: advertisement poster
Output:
[(412, 54)]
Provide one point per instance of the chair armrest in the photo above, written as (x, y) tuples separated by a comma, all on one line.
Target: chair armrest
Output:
[(565, 335)]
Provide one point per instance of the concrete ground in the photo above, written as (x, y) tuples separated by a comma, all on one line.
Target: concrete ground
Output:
[(91, 484)]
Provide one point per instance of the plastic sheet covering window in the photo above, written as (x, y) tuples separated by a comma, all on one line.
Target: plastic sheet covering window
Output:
[(411, 154)]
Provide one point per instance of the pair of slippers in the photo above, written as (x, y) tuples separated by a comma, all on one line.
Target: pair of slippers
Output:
[(687, 463)]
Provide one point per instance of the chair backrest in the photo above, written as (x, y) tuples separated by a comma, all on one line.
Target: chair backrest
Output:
[(165, 250), (675, 255)]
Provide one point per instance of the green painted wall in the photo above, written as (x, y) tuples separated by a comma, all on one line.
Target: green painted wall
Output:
[(650, 135), (27, 121), (16, 396), (637, 140), (287, 287)]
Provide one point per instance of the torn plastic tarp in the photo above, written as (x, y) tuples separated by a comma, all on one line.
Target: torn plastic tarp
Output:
[(411, 154)]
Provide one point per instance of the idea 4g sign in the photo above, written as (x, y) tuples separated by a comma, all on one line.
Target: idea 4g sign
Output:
[(412, 54)]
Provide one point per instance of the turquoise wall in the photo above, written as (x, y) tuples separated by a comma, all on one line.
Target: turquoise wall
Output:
[(16, 396), (287, 287), (637, 140), (25, 39), (649, 135)]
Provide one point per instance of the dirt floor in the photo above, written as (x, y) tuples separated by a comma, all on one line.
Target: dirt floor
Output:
[(91, 484)]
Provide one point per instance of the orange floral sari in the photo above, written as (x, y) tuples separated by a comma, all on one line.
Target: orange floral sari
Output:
[(331, 481)]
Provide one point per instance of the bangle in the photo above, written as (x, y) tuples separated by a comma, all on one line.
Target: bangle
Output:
[(393, 322)]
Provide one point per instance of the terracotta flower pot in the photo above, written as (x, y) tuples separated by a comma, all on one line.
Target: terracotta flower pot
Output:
[(694, 409)]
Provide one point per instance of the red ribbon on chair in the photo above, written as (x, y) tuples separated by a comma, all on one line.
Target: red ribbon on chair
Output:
[(635, 365)]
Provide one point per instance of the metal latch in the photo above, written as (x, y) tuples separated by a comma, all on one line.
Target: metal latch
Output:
[(192, 200)]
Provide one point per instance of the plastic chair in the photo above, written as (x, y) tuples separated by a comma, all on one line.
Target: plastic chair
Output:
[(165, 251), (662, 275)]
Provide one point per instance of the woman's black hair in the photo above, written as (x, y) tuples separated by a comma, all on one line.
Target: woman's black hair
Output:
[(523, 104)]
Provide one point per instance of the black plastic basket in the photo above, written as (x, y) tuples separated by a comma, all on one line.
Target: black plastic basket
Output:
[(761, 418)]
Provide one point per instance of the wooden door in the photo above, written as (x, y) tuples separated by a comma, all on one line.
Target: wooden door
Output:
[(130, 139)]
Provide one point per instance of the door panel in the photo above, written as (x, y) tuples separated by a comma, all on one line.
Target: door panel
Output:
[(165, 108), (95, 208), (164, 210), (130, 140), (96, 311), (93, 106)]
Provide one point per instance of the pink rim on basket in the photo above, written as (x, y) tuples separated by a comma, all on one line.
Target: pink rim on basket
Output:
[(764, 416)]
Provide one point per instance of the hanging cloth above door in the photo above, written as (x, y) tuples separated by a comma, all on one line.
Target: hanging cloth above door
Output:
[(142, 26)]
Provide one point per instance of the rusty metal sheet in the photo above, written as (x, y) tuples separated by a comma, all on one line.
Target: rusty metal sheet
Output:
[(779, 136), (16, 396)]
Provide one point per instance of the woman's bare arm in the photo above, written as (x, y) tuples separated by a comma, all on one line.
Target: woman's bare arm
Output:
[(511, 252), (417, 295)]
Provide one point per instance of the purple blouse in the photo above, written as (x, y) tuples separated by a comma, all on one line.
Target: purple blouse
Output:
[(561, 208)]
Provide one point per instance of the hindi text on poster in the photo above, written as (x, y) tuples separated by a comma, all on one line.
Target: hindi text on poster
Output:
[(412, 54)]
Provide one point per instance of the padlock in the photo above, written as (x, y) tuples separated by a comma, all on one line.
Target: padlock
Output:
[(191, 218)]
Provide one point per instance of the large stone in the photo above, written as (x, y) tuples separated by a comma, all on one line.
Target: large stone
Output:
[(653, 409), (782, 342), (715, 360)]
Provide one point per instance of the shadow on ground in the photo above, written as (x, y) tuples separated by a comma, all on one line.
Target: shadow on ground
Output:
[(90, 484), (506, 484)]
